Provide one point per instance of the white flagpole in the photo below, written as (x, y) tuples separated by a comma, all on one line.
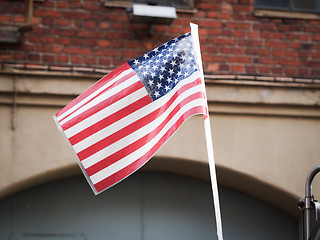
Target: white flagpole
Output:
[(207, 128)]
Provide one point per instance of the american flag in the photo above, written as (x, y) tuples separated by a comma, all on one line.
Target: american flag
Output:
[(121, 121)]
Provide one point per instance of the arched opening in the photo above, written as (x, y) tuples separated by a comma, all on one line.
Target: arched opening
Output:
[(147, 205)]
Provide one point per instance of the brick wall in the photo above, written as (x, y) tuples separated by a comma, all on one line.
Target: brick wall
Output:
[(84, 33)]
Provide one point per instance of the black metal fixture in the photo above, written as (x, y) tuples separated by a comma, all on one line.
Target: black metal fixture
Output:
[(311, 209)]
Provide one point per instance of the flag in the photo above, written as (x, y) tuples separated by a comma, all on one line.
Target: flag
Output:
[(120, 122)]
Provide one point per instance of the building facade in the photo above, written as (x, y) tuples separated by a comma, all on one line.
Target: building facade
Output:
[(261, 62)]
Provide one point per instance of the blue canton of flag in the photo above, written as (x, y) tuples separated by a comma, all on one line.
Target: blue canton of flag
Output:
[(162, 68)]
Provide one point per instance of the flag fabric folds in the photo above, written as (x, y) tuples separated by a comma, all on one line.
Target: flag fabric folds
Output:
[(120, 122)]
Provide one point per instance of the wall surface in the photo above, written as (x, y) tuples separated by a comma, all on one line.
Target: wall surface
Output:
[(265, 136)]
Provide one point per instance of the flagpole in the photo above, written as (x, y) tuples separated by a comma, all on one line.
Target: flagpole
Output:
[(207, 128)]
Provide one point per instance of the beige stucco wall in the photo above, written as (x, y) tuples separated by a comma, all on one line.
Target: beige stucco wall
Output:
[(266, 135)]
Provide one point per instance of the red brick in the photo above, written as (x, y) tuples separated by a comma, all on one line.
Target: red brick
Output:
[(90, 24), (104, 61), (237, 59), (291, 53), (315, 37), (238, 68), (109, 53), (62, 59), (19, 19), (35, 20), (90, 60), (226, 33), (290, 62), (90, 34), (48, 58), (250, 69), (76, 41), (223, 16), (33, 57), (226, 7), (60, 4), (243, 8), (62, 22), (289, 28), (75, 5), (313, 63), (269, 61), (76, 15), (77, 50), (253, 34), (211, 15), (34, 39), (264, 70), (312, 29), (239, 17), (175, 30), (160, 28), (239, 34), (207, 6), (210, 24), (265, 26), (104, 43), (39, 30), (213, 58), (238, 25), (90, 6), (62, 32), (90, 42), (246, 1), (212, 67), (249, 42), (76, 60), (277, 70), (104, 25), (20, 56), (290, 71), (46, 13), (224, 67), (63, 41), (315, 54), (276, 44), (48, 21), (213, 32), (303, 37), (278, 53), (5, 18), (277, 35), (118, 26), (133, 44), (48, 4), (224, 41), (5, 56)]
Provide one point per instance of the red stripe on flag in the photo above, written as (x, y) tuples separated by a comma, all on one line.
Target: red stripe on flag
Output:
[(133, 126), (124, 172), (95, 87), (107, 102), (126, 150)]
